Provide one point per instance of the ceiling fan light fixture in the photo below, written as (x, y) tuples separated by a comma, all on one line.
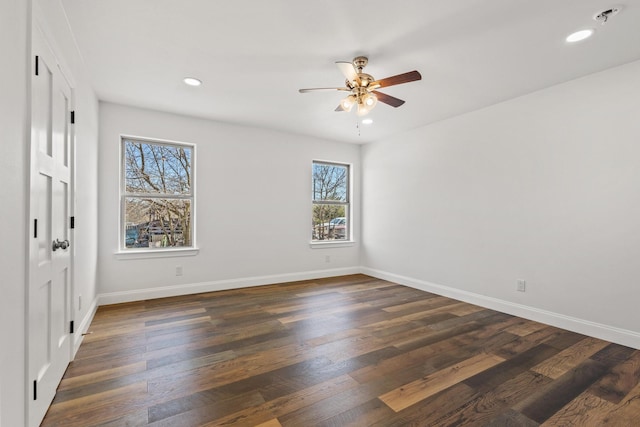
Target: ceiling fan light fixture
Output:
[(362, 110), (370, 100), (362, 87), (348, 103)]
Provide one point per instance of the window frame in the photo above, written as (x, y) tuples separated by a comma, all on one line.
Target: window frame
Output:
[(348, 239), (144, 252)]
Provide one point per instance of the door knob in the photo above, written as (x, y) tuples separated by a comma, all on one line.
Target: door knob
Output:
[(57, 244)]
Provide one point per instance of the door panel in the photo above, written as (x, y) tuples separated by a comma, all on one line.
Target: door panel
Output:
[(49, 296)]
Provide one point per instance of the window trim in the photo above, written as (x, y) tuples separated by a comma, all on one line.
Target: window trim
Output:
[(348, 240), (326, 244), (135, 253)]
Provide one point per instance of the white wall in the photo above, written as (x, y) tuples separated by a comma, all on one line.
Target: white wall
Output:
[(545, 188), (253, 209), (14, 42)]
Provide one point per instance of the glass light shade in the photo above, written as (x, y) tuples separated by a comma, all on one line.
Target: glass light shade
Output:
[(370, 100), (363, 109), (348, 102)]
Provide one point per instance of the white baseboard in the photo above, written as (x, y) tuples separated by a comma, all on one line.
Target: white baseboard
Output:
[(218, 285), (83, 326), (581, 326)]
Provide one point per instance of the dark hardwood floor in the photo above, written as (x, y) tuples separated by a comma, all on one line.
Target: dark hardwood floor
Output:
[(345, 351)]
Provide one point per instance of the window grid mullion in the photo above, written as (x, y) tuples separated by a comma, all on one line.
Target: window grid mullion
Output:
[(158, 196), (329, 202)]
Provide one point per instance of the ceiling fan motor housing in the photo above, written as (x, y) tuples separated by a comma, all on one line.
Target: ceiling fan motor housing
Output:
[(364, 80), (360, 62)]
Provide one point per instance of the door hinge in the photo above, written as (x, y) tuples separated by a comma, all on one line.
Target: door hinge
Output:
[(72, 222), (35, 228), (35, 389), (71, 327), (73, 117), (37, 61)]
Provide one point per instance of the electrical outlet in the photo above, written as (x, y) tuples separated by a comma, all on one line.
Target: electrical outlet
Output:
[(327, 258), (179, 270), (521, 285)]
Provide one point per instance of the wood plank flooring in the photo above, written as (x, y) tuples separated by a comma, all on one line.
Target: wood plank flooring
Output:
[(344, 351)]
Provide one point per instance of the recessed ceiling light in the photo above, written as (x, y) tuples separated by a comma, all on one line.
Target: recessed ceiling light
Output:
[(192, 81), (367, 121), (580, 35)]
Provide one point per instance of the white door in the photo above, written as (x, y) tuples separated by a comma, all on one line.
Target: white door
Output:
[(49, 294)]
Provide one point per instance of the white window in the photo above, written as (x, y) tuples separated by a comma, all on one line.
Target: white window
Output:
[(331, 198), (156, 195)]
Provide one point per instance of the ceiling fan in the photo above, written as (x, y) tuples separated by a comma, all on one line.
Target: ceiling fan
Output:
[(363, 87)]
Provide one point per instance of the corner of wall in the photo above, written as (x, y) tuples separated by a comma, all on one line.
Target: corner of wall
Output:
[(83, 326)]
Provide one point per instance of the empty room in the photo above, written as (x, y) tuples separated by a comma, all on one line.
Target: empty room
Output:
[(334, 213)]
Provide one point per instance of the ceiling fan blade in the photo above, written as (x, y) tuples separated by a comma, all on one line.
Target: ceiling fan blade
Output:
[(313, 89), (411, 76), (388, 99), (339, 108), (349, 71)]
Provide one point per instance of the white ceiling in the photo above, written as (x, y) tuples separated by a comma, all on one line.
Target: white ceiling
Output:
[(254, 55)]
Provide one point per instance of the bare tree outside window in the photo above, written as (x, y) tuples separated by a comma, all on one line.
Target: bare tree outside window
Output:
[(330, 201), (157, 198)]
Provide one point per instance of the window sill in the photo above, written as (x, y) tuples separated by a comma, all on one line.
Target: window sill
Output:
[(156, 253), (332, 244)]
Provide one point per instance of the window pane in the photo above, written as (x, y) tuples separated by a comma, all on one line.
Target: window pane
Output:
[(157, 168), (157, 223), (330, 182), (329, 222)]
